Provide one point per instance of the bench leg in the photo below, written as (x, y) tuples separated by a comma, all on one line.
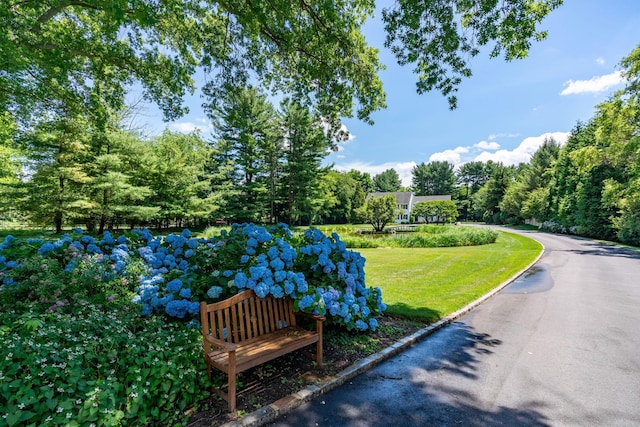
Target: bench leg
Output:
[(319, 344), (231, 390)]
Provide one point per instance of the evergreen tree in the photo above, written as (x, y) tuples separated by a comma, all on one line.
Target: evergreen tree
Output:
[(305, 146), (387, 181), (57, 154), (433, 178), (179, 178), (114, 197), (246, 126)]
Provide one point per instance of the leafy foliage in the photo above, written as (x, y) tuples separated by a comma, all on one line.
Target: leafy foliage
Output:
[(440, 36), (100, 366), (77, 351), (436, 211), (379, 211)]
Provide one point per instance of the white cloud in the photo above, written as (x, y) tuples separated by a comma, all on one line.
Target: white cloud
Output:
[(402, 168), (188, 127), (459, 155), (594, 85), (600, 61), (503, 135), (484, 145), (523, 152), (452, 156)]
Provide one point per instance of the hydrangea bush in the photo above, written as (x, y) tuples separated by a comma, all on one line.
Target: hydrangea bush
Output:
[(172, 274)]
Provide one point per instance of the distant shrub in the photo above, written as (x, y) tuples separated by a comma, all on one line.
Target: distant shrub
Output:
[(553, 227), (428, 236)]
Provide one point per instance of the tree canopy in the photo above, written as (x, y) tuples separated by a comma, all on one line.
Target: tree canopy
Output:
[(76, 54), (387, 181), (379, 211)]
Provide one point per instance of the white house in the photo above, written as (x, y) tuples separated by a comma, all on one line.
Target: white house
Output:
[(406, 200)]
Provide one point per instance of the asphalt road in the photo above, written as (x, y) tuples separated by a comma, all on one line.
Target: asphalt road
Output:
[(558, 347)]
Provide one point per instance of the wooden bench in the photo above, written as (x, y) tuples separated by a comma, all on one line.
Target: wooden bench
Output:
[(245, 331)]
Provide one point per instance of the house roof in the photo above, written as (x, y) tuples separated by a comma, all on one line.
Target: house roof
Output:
[(402, 197)]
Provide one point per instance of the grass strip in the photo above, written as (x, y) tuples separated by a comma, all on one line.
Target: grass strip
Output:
[(427, 284)]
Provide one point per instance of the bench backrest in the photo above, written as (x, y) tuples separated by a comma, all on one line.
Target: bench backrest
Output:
[(245, 316)]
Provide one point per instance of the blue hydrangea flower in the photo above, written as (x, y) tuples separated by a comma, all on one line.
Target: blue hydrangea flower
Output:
[(240, 280), (306, 302), (47, 247), (92, 248), (214, 292), (280, 276), (174, 286), (373, 324), (289, 288), (361, 325), (276, 291), (277, 264), (261, 290)]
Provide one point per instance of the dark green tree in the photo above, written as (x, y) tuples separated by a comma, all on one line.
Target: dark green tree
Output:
[(246, 126), (488, 200), (433, 178), (387, 181), (68, 52), (471, 176), (57, 155), (533, 176), (179, 179), (305, 146), (363, 179)]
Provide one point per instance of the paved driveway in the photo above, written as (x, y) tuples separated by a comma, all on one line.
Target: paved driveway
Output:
[(559, 347)]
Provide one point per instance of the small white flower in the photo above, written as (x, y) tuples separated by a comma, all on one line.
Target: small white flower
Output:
[(21, 405)]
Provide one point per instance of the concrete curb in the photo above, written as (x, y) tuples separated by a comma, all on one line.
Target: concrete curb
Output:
[(289, 403)]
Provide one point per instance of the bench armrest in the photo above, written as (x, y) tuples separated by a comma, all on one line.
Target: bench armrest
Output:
[(223, 345), (312, 316)]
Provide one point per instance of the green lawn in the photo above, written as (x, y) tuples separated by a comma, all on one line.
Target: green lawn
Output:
[(428, 284)]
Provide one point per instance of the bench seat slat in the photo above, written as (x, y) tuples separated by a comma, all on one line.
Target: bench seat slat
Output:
[(263, 349)]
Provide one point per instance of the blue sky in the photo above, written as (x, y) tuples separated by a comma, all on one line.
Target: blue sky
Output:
[(504, 110)]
